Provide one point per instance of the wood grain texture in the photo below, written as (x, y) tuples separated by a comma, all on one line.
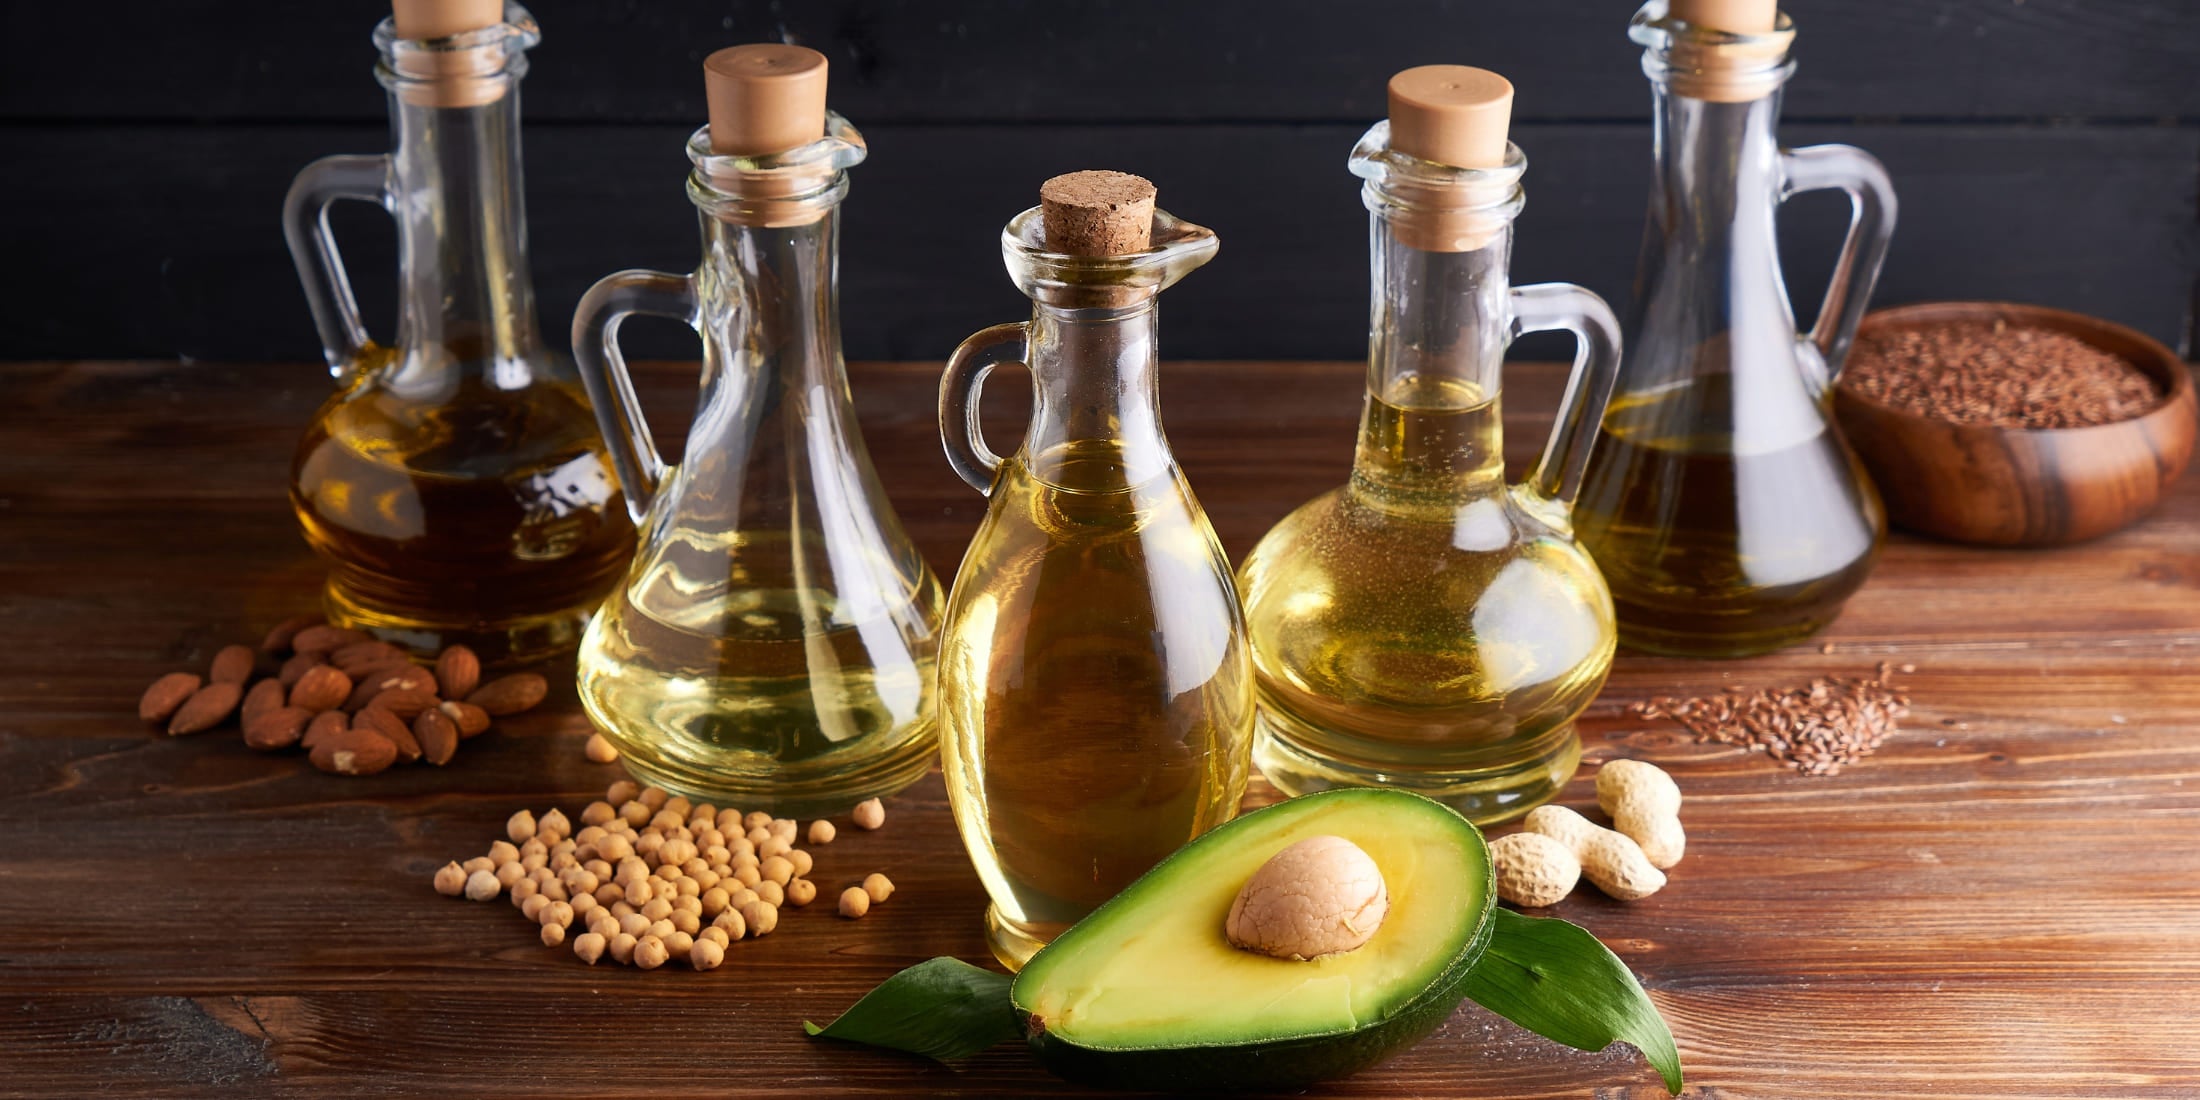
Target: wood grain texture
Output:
[(2003, 902)]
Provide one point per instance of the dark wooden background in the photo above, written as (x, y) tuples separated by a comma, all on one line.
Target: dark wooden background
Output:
[(2045, 150)]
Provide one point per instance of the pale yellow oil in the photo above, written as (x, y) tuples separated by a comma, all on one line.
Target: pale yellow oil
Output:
[(1095, 695), (1425, 626), (719, 676)]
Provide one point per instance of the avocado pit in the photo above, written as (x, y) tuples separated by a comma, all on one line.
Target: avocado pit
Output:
[(1320, 896)]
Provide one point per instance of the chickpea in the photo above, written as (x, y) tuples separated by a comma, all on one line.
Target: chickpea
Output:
[(503, 852), (657, 909), (801, 892), (715, 935), (878, 886), (758, 836), (554, 890), (534, 860), (589, 946), (870, 814), (706, 955), (679, 943), (583, 904), (450, 880), (622, 792), (509, 873), (558, 913), (771, 892), (757, 819), (555, 824), (714, 901), (854, 902), (599, 812), (532, 908), (821, 831), (479, 863), (741, 897), (686, 922), (801, 861), (653, 797), (482, 885), (650, 953), (775, 846), (640, 892), (666, 819), (635, 925), (686, 904), (731, 923), (553, 935), (524, 889), (520, 826), (621, 948), (746, 874), (777, 869), (761, 917), (705, 878), (661, 929), (635, 814), (614, 848), (599, 749)]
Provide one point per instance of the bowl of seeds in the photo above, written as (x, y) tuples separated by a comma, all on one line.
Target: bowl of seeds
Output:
[(2014, 425)]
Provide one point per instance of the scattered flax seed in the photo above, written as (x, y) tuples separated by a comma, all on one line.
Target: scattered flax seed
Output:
[(1816, 729), (1995, 374)]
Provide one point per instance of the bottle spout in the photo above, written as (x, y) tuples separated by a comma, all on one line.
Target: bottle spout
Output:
[(1096, 240)]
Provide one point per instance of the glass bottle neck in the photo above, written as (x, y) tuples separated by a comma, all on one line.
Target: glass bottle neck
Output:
[(1716, 180), (466, 299), (770, 303), (1096, 419), (1438, 326)]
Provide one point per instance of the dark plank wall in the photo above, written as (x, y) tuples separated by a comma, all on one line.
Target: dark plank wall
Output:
[(2045, 150)]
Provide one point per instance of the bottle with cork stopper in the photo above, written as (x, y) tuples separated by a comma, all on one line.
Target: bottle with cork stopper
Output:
[(1727, 512), (455, 483), (772, 644), (1426, 625), (1095, 696)]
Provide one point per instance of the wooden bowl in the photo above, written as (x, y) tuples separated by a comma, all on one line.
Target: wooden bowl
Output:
[(2023, 486)]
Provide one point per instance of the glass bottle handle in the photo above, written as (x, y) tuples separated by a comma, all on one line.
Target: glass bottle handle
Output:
[(960, 386), (1564, 307), (1871, 225), (313, 247), (614, 298)]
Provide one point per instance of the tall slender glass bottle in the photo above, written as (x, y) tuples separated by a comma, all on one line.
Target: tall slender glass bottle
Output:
[(1426, 625), (455, 483), (772, 646), (1725, 509), (1095, 698)]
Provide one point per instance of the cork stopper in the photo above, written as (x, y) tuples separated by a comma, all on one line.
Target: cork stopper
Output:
[(419, 20), (765, 98), (1731, 16), (1451, 114), (1097, 213)]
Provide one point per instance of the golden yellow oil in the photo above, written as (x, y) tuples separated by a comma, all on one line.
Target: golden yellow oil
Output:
[(719, 678), (1714, 549), (479, 516), (1425, 626), (1095, 698)]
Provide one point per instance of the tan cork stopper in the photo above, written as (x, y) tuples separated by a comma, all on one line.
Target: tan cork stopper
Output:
[(765, 98), (1731, 16), (1451, 114), (1097, 213), (419, 20)]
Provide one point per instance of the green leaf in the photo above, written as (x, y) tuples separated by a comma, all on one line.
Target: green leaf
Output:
[(943, 1009), (1557, 980)]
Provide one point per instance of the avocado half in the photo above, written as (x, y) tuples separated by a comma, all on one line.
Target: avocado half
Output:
[(1147, 993)]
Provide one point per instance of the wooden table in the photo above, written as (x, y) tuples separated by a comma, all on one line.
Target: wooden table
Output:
[(2004, 902)]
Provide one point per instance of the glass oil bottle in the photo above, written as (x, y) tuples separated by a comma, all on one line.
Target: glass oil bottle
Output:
[(455, 483), (1425, 625), (1095, 697), (772, 645), (1725, 509)]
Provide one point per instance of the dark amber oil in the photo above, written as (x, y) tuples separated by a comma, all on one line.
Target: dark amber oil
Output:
[(1719, 545), (482, 516)]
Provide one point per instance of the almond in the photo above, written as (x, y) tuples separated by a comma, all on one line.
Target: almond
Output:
[(354, 751), (406, 678), (325, 725), (278, 640), (470, 719), (367, 682), (458, 671), (391, 726), (161, 700), (438, 736), (358, 657), (206, 708), (325, 639), (233, 665), (510, 694), (323, 687), (276, 729), (406, 703), (296, 667), (265, 696)]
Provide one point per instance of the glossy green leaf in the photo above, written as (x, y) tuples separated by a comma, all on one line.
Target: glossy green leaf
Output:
[(1557, 980), (943, 1009)]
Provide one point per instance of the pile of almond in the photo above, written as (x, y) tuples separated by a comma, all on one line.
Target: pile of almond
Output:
[(651, 877), (357, 705)]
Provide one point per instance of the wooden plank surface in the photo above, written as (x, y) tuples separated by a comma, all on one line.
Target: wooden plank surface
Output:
[(2004, 902)]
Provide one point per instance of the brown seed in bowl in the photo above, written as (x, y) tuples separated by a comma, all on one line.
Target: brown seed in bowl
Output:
[(274, 729), (510, 694), (381, 721), (325, 639), (166, 695), (438, 736), (325, 725), (278, 639), (265, 696), (470, 719), (405, 703), (458, 672), (323, 687), (233, 665), (206, 708), (353, 752)]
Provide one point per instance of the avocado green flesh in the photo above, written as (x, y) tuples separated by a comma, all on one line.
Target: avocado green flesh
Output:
[(1148, 990)]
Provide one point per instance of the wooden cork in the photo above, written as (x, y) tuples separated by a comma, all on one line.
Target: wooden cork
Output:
[(1731, 16), (765, 98), (1097, 213), (1451, 114), (418, 20)]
